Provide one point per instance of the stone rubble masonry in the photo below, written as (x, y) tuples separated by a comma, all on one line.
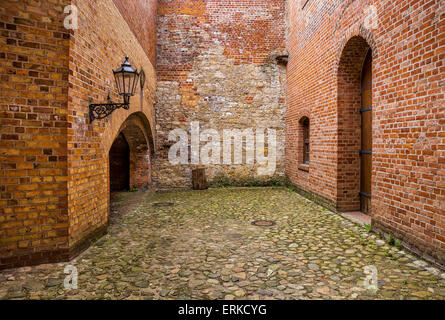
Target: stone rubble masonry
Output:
[(54, 177), (216, 64), (408, 47)]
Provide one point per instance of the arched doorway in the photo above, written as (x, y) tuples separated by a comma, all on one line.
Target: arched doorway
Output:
[(120, 164), (366, 136), (130, 156), (354, 103)]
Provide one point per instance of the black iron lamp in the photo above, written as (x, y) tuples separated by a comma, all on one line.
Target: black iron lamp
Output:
[(126, 81)]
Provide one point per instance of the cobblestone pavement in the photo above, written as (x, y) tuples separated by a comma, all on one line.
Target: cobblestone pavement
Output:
[(205, 247)]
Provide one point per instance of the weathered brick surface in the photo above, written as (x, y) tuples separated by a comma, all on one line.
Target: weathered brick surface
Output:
[(54, 162), (141, 18), (216, 65), (326, 39), (34, 56), (96, 49)]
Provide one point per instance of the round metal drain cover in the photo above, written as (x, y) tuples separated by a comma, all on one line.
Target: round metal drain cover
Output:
[(163, 204), (263, 223)]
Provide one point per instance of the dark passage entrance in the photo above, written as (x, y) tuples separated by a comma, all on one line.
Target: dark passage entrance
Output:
[(120, 164), (366, 136), (354, 127)]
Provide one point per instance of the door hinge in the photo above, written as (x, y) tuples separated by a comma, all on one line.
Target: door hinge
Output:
[(365, 195)]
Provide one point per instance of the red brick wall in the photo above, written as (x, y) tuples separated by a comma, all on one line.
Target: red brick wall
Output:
[(248, 29), (34, 53), (141, 17), (408, 178)]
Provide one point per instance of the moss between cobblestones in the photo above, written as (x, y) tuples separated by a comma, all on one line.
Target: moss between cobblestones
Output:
[(221, 181), (225, 181), (204, 247)]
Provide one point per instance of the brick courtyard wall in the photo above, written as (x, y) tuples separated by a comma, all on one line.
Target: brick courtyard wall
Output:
[(103, 40), (34, 56), (141, 18), (408, 177), (54, 180), (216, 64)]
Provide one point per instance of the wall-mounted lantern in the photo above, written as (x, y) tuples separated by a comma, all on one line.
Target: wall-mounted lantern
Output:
[(126, 81)]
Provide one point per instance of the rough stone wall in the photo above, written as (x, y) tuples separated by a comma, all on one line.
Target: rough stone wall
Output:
[(34, 53), (408, 176), (216, 65)]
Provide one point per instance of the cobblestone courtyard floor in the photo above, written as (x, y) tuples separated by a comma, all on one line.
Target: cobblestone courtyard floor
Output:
[(205, 247)]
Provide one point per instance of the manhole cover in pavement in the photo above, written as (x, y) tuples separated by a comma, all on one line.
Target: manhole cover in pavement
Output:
[(263, 223), (163, 204)]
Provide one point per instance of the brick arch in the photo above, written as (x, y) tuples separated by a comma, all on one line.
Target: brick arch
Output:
[(301, 135), (303, 119), (349, 122), (357, 30), (138, 119), (137, 133), (302, 114)]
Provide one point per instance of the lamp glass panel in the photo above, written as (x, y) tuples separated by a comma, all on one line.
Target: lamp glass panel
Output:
[(120, 82), (130, 79), (127, 80), (135, 82)]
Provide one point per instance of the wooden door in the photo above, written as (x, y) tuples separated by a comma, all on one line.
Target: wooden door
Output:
[(366, 136)]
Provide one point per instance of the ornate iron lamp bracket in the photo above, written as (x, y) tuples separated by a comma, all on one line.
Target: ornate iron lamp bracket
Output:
[(126, 78), (102, 110)]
